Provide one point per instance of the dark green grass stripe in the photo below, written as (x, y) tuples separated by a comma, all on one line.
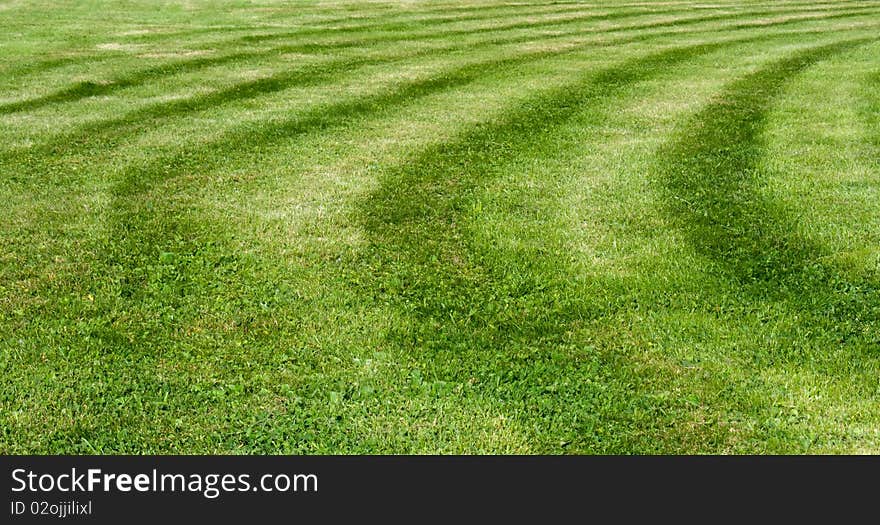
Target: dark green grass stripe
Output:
[(31, 161), (89, 88), (391, 24), (396, 22), (321, 28), (317, 47), (178, 217), (413, 216), (414, 195), (575, 20), (713, 182), (35, 67), (397, 19), (803, 19), (138, 232), (713, 186), (147, 225), (401, 29), (86, 89), (420, 259)]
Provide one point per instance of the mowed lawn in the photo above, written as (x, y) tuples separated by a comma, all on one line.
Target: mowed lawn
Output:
[(455, 226)]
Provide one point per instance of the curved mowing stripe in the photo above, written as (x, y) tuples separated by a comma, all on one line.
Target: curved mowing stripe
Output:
[(412, 217), (640, 10), (90, 88), (420, 261), (563, 6), (321, 28), (397, 20), (109, 132), (712, 180), (575, 20), (142, 225), (401, 32), (407, 26)]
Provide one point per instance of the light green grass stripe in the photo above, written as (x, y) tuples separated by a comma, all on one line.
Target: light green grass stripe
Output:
[(35, 163), (548, 362), (711, 183), (400, 30), (136, 244), (89, 89), (178, 229), (422, 260)]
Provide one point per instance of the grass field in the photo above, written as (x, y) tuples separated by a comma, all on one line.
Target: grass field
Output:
[(451, 226)]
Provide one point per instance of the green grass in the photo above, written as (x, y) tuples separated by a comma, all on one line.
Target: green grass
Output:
[(440, 227)]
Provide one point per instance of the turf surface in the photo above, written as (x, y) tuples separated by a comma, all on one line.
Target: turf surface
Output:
[(440, 227)]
